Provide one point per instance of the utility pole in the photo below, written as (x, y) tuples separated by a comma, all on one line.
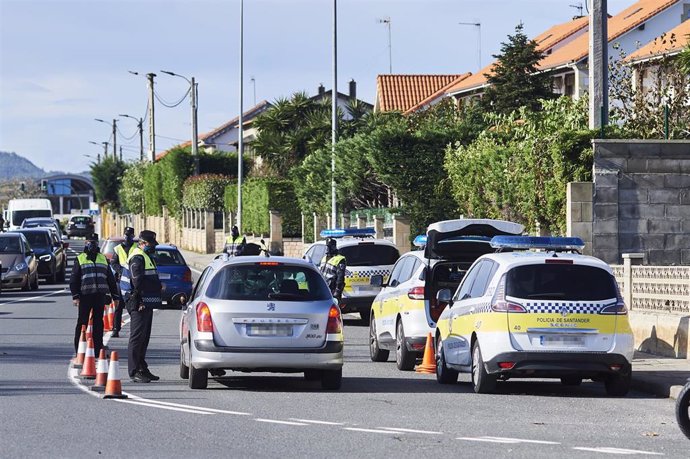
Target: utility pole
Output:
[(334, 113), (240, 135), (115, 140), (195, 131), (105, 149), (598, 65), (387, 21), (478, 25), (140, 128), (120, 152), (152, 126)]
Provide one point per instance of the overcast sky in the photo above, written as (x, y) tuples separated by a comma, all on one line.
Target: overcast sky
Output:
[(64, 63)]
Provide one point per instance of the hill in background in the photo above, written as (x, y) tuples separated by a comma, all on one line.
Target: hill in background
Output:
[(16, 167)]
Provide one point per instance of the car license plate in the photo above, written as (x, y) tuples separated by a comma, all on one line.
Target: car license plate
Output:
[(163, 276), (269, 330), (561, 340), (81, 226)]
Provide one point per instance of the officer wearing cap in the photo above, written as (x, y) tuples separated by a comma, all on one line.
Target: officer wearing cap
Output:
[(235, 242), (143, 298), (333, 267), (90, 283), (122, 275)]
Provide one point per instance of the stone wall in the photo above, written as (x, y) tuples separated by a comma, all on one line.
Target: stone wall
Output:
[(579, 212)]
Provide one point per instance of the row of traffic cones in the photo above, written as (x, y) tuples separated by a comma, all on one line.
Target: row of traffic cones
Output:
[(107, 377), (109, 317)]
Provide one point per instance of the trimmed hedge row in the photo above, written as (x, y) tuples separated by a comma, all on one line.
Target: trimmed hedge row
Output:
[(205, 191)]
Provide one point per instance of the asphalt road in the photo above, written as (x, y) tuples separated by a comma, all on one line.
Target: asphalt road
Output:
[(380, 412)]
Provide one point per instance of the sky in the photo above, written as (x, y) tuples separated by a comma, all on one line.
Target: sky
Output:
[(65, 62)]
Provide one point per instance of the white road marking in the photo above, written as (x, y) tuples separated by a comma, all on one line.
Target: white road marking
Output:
[(275, 421), (626, 452), (522, 440), (356, 429), (34, 297), (312, 421), (427, 432), (487, 440), (154, 405), (191, 407)]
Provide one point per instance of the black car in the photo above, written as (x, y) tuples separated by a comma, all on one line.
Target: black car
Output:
[(50, 251), (80, 225)]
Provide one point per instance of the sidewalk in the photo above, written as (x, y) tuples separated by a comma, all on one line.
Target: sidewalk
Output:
[(661, 376)]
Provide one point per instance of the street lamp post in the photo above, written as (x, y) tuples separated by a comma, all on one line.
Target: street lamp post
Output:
[(240, 131), (478, 25), (140, 128), (195, 131), (151, 115), (105, 144), (334, 113), (114, 135)]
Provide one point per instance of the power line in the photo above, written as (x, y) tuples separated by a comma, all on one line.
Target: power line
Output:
[(168, 104)]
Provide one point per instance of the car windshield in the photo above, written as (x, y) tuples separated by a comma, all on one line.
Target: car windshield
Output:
[(561, 282), (37, 239), (9, 244), (18, 216), (369, 254), (109, 247), (169, 258), (265, 282), (81, 220)]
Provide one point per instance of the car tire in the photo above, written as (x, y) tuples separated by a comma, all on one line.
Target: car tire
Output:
[(375, 352), (53, 278), (618, 385), (198, 378), (312, 375), (63, 272), (482, 382), (184, 369), (34, 284), (682, 410), (331, 379), (404, 359), (571, 381), (444, 375)]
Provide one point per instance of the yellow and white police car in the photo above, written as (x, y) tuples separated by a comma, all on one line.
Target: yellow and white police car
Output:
[(550, 313), (405, 311), (365, 257)]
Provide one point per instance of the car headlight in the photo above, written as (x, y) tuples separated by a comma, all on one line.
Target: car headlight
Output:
[(20, 267), (45, 257)]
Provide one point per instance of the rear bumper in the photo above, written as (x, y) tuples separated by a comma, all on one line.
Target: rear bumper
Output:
[(558, 364), (173, 288), (79, 232), (356, 303), (415, 344)]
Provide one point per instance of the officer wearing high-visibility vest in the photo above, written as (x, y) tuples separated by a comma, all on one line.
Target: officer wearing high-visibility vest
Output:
[(121, 268), (91, 282), (235, 242), (333, 267), (143, 298)]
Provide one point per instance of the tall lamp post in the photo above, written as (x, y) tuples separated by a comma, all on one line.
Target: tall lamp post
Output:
[(105, 145), (334, 113), (195, 132), (151, 115), (240, 134), (114, 135), (140, 128)]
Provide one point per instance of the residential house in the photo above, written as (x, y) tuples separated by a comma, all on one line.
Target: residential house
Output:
[(403, 92)]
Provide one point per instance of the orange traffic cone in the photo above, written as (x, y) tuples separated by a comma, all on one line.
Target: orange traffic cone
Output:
[(89, 329), (428, 365), (113, 387), (106, 323), (81, 350), (101, 373), (111, 315), (88, 371)]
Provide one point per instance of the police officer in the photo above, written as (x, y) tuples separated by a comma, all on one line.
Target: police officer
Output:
[(122, 275), (333, 266), (143, 298), (2, 224), (91, 282), (235, 242)]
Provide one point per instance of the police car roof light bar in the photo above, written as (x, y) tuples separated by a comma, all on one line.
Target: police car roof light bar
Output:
[(420, 241), (555, 244), (351, 232)]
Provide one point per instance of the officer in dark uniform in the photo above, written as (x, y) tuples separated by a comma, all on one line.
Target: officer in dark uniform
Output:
[(333, 267), (122, 275), (91, 282), (144, 297)]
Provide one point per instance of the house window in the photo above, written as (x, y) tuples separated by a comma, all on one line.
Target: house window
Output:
[(570, 84)]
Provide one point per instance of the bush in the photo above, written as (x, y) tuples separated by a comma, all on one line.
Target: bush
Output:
[(132, 189), (175, 167), (153, 198), (107, 176), (205, 192)]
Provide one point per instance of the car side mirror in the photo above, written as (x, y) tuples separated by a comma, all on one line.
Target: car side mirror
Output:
[(376, 280), (394, 283), (444, 296)]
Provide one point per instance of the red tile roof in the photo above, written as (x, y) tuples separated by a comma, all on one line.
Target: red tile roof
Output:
[(402, 92), (672, 42), (438, 94)]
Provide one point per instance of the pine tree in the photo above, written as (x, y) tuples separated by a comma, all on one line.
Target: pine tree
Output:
[(515, 82)]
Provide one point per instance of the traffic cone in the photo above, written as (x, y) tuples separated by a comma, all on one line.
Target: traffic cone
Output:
[(111, 315), (113, 387), (88, 371), (106, 322), (89, 329), (428, 365), (81, 350), (101, 373)]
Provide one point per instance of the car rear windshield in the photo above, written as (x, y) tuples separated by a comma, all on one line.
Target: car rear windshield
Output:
[(81, 220), (169, 258), (260, 282), (10, 244), (18, 216), (369, 254), (109, 247), (561, 282), (37, 238)]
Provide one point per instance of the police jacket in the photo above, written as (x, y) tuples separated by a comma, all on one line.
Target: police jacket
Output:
[(234, 246), (146, 286), (333, 269), (92, 276), (120, 264)]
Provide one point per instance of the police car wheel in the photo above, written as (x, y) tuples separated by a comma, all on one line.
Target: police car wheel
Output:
[(482, 382), (184, 369), (571, 381), (404, 359), (618, 385), (312, 375), (375, 352), (683, 410), (444, 375), (198, 378)]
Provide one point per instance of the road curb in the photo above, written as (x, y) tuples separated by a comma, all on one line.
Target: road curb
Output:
[(651, 385)]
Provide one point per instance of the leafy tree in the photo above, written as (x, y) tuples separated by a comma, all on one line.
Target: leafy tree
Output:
[(515, 81), (107, 180), (684, 58), (132, 189)]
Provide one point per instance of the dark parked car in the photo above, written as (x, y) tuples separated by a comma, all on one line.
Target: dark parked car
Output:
[(50, 251), (173, 272), (19, 263), (43, 222), (80, 225)]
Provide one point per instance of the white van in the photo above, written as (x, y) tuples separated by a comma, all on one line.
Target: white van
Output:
[(19, 209)]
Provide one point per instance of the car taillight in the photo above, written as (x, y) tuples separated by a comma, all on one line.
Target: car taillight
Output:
[(204, 323), (499, 302), (416, 293), (618, 307), (335, 324), (187, 276)]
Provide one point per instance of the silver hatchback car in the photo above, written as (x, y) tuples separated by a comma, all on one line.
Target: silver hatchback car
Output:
[(260, 314)]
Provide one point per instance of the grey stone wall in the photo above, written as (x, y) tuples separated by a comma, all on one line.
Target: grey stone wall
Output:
[(641, 200)]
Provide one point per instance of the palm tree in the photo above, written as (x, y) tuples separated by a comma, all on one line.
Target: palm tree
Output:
[(684, 58)]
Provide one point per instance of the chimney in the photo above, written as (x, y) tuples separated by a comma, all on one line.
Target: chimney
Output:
[(322, 90), (353, 89)]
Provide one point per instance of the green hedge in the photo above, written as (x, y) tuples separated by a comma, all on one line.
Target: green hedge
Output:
[(206, 191), (153, 198)]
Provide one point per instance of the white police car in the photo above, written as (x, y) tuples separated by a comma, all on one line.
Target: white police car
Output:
[(405, 311), (551, 313), (365, 257)]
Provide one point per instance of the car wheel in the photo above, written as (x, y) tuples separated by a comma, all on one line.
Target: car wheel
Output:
[(444, 375), (404, 359), (482, 382), (375, 352), (312, 375), (571, 381), (332, 379), (618, 385), (54, 276), (683, 410), (61, 275), (184, 369), (34, 284), (198, 378)]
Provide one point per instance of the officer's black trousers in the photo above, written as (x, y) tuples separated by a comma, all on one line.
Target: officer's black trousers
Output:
[(139, 336), (117, 325), (87, 304)]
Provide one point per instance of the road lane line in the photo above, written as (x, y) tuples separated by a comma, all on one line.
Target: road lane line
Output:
[(275, 421), (426, 432), (625, 452), (153, 405), (356, 429), (487, 440), (34, 297), (522, 440), (213, 410), (312, 421)]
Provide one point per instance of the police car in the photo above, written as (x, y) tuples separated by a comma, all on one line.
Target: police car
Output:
[(405, 311), (365, 257), (539, 310)]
